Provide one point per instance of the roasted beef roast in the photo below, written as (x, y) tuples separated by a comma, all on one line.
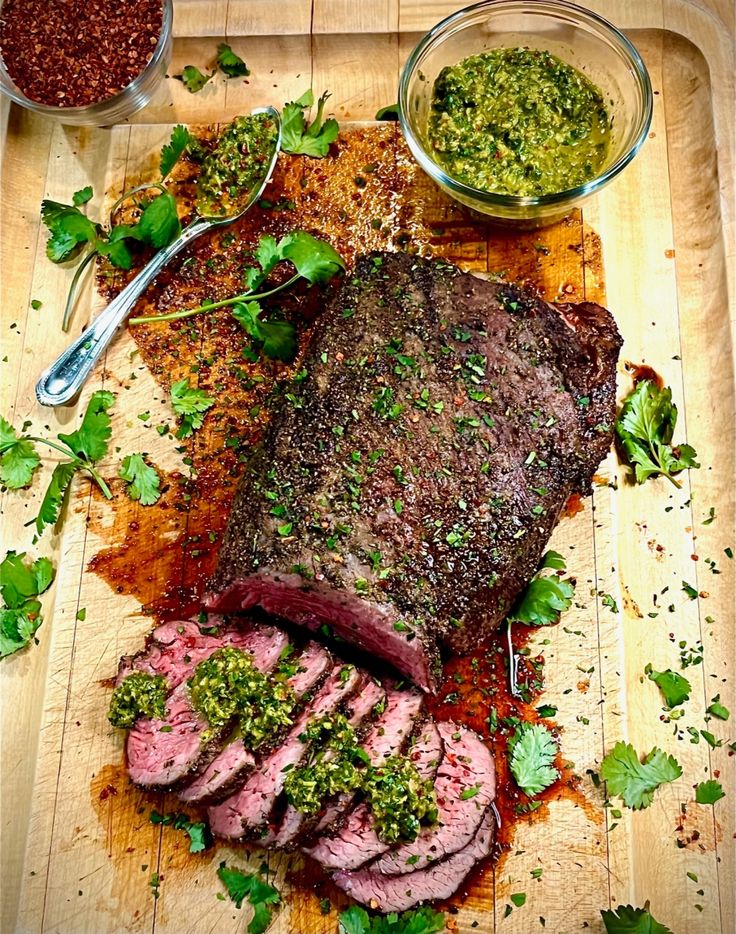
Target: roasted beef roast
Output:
[(407, 487)]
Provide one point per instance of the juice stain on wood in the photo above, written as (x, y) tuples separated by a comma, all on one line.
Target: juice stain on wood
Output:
[(368, 195)]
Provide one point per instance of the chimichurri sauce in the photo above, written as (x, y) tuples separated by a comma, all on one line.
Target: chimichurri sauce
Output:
[(519, 122), (236, 166)]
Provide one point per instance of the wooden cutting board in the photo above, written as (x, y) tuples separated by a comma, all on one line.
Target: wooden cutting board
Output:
[(77, 848)]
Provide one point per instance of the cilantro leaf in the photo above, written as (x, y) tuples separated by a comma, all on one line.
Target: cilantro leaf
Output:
[(717, 709), (553, 559), (200, 836), (53, 499), (18, 458), (68, 228), (645, 426), (115, 248), (277, 338), (709, 792), (174, 149), (230, 63), (628, 920), (356, 920), (546, 597), (636, 781), (315, 260), (675, 689), (159, 223), (90, 440), (262, 896), (190, 404), (142, 479), (193, 79), (532, 752), (20, 583), (82, 196), (391, 112), (20, 580), (300, 138)]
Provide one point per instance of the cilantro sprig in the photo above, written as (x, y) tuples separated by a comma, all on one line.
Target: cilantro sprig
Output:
[(313, 260), (21, 583), (628, 920), (19, 459), (356, 920), (546, 597), (299, 137), (634, 780), (74, 236), (263, 897), (645, 426), (532, 752)]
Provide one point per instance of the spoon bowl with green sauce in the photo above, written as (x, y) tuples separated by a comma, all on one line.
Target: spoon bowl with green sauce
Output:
[(521, 109), (232, 179)]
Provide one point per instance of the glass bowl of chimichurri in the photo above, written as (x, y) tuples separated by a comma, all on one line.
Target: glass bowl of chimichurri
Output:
[(520, 110)]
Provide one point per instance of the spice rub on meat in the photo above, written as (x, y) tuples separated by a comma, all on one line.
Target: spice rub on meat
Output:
[(406, 489)]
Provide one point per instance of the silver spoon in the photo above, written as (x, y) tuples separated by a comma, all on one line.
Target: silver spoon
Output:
[(61, 382)]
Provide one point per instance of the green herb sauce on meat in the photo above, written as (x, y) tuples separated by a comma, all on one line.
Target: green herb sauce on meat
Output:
[(138, 695)]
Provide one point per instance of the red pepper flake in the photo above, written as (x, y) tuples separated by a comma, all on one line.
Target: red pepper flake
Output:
[(72, 53)]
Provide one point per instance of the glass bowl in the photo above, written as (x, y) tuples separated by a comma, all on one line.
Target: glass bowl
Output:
[(578, 37), (114, 109)]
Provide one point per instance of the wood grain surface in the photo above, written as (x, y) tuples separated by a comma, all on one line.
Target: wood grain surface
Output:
[(73, 851)]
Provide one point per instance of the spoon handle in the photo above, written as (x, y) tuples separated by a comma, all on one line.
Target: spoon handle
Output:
[(68, 373)]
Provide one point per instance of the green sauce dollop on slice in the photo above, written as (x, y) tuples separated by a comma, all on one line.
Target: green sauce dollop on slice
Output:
[(138, 695), (227, 686), (519, 122)]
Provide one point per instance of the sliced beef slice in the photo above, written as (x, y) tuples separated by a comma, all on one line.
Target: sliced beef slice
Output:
[(439, 880), (476, 406), (161, 752), (234, 761), (247, 811), (465, 786), (388, 734), (356, 842), (360, 708), (174, 649), (158, 756)]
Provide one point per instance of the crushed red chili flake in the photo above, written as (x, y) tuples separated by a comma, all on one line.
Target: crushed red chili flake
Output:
[(72, 53)]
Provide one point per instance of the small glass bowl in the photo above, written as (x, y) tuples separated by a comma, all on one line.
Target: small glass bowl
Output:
[(578, 37), (120, 106)]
